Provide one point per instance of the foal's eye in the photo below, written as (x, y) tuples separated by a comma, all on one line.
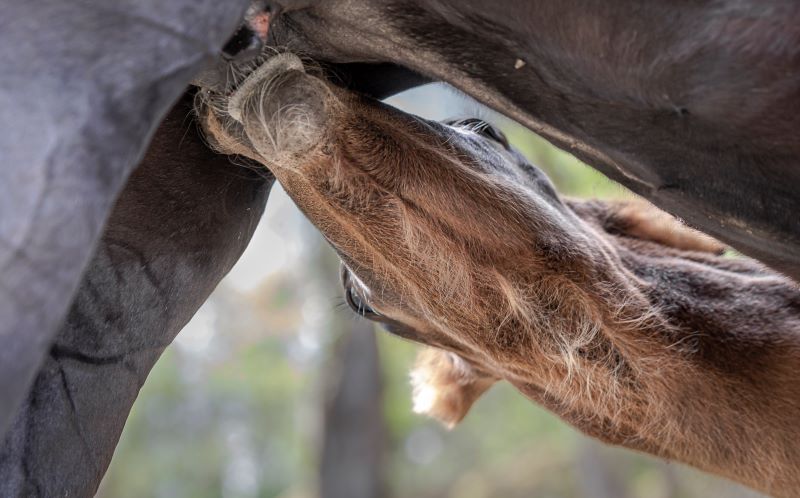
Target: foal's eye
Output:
[(357, 304), (493, 133)]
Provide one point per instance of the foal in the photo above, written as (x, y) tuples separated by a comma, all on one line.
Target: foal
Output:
[(626, 324)]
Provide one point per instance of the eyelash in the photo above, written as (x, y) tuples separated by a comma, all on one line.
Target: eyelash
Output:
[(483, 128)]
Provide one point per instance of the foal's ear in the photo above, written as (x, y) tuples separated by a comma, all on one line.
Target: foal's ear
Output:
[(446, 386)]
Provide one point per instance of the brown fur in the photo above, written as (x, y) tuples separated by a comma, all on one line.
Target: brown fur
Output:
[(625, 323)]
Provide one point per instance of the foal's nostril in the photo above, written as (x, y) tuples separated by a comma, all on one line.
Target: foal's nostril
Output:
[(252, 35), (243, 43)]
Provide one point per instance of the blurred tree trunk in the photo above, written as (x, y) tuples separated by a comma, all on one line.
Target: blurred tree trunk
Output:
[(353, 429), (597, 478)]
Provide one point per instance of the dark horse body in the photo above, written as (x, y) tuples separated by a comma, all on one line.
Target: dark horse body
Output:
[(693, 105)]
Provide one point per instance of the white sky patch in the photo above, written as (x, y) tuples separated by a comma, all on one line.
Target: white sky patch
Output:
[(196, 336), (433, 101), (276, 244)]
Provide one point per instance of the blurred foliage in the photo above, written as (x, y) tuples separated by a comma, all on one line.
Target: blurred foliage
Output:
[(234, 410), (571, 177)]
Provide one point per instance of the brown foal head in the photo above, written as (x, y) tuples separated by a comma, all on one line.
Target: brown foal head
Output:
[(612, 315), (441, 229)]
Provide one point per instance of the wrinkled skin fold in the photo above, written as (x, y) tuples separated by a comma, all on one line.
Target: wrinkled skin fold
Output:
[(627, 324)]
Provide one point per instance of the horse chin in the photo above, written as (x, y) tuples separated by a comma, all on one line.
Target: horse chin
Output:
[(260, 80)]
